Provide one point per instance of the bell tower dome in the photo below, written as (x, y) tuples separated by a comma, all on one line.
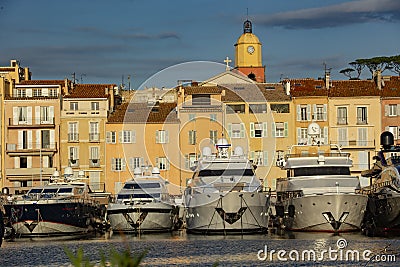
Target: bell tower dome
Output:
[(248, 54)]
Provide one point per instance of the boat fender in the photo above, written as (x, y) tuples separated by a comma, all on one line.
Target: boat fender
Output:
[(291, 211)]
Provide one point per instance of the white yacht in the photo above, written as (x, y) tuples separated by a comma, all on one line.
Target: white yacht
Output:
[(225, 196), (319, 193), (143, 204)]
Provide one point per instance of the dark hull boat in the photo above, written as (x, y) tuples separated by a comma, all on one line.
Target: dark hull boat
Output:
[(383, 212), (57, 209)]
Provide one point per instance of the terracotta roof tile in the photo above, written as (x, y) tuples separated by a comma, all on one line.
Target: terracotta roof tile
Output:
[(254, 93), (391, 88), (90, 91), (212, 90), (307, 87), (353, 88), (43, 82), (144, 113)]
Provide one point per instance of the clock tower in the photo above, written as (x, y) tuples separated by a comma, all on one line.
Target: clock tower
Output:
[(248, 57)]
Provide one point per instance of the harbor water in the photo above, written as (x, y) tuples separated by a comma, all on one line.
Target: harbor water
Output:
[(181, 249)]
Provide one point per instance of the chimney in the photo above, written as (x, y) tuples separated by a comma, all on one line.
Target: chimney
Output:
[(378, 79), (111, 97), (327, 79), (66, 87), (27, 74), (286, 85)]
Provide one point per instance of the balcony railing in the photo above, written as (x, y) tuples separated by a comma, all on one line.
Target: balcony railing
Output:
[(73, 162), (94, 137), (73, 137), (31, 122), (342, 120), (94, 162), (354, 143), (362, 121), (31, 146)]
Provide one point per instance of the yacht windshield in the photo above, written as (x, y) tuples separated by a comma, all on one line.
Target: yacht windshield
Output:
[(65, 190), (50, 190), (133, 196), (143, 185), (227, 172), (321, 171), (35, 191)]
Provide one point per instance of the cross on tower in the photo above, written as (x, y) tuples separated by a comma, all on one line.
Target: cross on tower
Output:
[(227, 61)]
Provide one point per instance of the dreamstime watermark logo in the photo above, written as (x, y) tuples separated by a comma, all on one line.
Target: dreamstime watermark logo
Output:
[(338, 253)]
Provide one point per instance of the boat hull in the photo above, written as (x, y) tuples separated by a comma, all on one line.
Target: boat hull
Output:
[(234, 212), (149, 217), (325, 213), (35, 219)]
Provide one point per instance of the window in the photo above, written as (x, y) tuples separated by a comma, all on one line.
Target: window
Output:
[(162, 163), (320, 112), (392, 110), (111, 137), (94, 156), (192, 117), (162, 137), (236, 130), (73, 105), (190, 160), (281, 129), (24, 139), (94, 105), (201, 100), (213, 117), (230, 109), (362, 139), (23, 162), (53, 92), (21, 93), (260, 158), (94, 132), (258, 108), (45, 138), (73, 135), (361, 115), (46, 115), (280, 108), (117, 164), (342, 137), (258, 129), (394, 130), (135, 162), (127, 137), (73, 156), (302, 136), (303, 113), (280, 158), (342, 115), (213, 136), (22, 115), (37, 92), (192, 137)]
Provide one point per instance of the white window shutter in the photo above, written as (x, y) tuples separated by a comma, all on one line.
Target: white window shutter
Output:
[(309, 112), (45, 91), (113, 164), (108, 137), (157, 137), (398, 109), (121, 137), (133, 136), (51, 114), (273, 129), (29, 92), (45, 161), (52, 139), (20, 139), (15, 115), (325, 117), (314, 115), (298, 109), (29, 162), (265, 158), (123, 164), (386, 110), (265, 130), (326, 135), (29, 115), (298, 130), (38, 139), (37, 115), (30, 141), (16, 162)]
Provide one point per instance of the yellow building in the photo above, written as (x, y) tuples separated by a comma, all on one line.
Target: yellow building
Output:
[(32, 150), (83, 118), (142, 134)]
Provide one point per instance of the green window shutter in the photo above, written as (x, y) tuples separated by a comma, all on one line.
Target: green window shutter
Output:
[(230, 130), (157, 137), (265, 158), (242, 130), (286, 130), (252, 131), (265, 130), (273, 129)]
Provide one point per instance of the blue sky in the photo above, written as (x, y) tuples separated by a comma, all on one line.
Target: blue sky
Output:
[(101, 41)]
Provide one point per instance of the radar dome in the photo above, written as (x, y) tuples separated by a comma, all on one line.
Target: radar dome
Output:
[(238, 151), (206, 151), (155, 170), (68, 171), (222, 142), (137, 171)]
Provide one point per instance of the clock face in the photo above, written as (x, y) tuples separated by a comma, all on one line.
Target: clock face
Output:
[(314, 129), (250, 49)]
